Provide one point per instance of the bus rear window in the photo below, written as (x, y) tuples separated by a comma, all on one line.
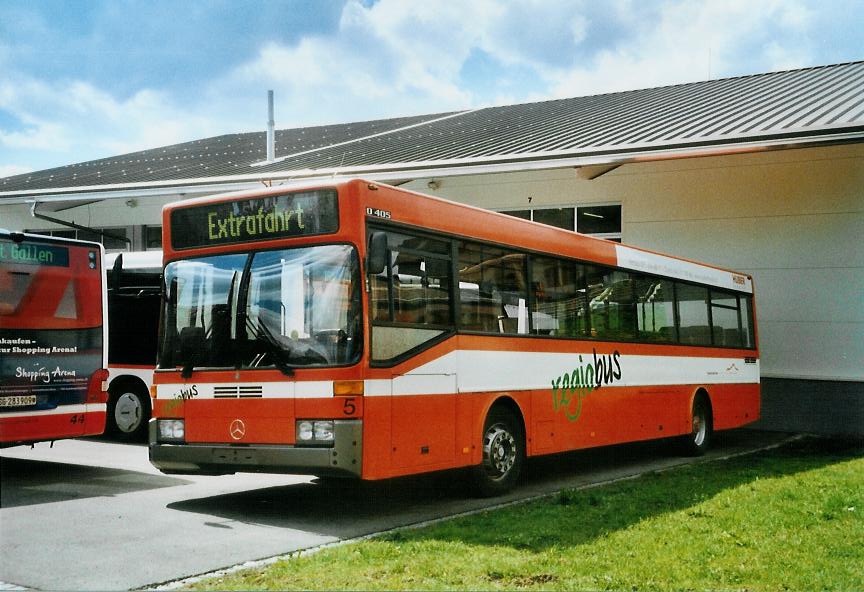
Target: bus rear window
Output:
[(43, 285)]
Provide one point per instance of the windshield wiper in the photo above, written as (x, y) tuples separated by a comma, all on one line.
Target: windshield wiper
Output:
[(262, 333)]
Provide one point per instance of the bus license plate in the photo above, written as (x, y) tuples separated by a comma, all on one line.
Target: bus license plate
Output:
[(18, 401)]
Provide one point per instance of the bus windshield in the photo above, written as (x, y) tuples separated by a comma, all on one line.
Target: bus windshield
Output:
[(285, 308)]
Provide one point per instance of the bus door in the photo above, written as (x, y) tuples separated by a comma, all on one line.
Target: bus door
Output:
[(413, 311)]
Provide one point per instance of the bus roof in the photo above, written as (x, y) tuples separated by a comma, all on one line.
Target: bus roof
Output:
[(620, 255)]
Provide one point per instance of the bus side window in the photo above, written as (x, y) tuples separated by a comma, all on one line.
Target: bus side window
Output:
[(410, 300), (655, 309), (612, 303), (560, 302), (725, 330), (747, 331), (692, 302), (493, 289)]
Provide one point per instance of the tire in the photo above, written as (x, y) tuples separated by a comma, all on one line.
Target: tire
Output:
[(128, 412), (503, 445), (697, 442)]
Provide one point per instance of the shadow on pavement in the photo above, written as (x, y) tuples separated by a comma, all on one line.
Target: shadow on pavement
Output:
[(336, 507), (27, 482), (346, 508)]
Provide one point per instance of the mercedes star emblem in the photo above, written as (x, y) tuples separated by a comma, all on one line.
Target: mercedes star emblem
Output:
[(237, 429)]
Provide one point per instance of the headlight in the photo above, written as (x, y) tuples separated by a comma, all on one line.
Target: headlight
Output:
[(305, 431), (171, 430), (324, 431), (313, 433)]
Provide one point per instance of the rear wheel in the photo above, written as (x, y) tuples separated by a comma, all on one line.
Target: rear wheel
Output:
[(128, 412), (697, 442), (503, 446)]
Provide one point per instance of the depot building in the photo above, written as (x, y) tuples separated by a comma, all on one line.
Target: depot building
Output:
[(762, 174)]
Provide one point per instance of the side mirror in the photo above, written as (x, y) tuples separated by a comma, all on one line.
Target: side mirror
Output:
[(115, 273), (192, 345), (376, 254)]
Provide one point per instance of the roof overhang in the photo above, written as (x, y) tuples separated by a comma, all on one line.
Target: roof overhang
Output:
[(58, 199)]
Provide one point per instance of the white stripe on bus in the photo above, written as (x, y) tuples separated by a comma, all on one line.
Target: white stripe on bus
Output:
[(472, 371), (59, 410)]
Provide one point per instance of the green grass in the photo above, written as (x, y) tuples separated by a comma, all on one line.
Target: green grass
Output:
[(791, 518)]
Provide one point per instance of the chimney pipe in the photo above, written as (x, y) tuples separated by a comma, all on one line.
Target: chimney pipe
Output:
[(271, 131)]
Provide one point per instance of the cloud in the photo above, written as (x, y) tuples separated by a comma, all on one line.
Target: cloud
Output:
[(392, 58), (388, 59), (689, 40), (79, 120), (9, 170)]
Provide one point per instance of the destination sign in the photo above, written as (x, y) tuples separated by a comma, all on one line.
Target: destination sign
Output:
[(263, 218), (34, 254)]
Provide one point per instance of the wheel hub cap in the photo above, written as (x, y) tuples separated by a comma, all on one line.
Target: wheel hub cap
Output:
[(698, 429), (499, 451), (127, 412)]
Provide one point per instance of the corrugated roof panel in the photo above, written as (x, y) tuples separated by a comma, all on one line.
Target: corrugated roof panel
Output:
[(810, 102)]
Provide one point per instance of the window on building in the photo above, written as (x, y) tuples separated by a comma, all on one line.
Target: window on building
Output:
[(524, 214), (115, 242), (152, 237), (603, 221), (599, 220), (557, 217)]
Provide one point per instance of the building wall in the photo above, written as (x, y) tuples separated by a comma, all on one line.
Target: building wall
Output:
[(107, 214), (793, 219)]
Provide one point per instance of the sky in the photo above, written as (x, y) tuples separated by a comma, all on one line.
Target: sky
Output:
[(88, 79)]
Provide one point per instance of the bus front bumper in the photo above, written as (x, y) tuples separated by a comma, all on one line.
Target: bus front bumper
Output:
[(343, 459)]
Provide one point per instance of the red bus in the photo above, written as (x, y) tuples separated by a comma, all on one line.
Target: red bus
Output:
[(53, 335), (357, 329)]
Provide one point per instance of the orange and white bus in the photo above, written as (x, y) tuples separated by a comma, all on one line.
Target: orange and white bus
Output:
[(53, 338), (357, 329)]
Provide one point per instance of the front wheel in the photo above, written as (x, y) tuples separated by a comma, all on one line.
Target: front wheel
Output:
[(696, 443), (128, 413), (503, 454)]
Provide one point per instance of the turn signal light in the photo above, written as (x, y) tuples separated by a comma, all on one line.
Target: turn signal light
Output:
[(347, 388)]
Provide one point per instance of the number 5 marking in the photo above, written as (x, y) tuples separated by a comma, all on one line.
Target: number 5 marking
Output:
[(348, 407)]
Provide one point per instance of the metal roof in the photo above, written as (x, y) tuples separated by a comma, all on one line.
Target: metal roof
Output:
[(812, 105)]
